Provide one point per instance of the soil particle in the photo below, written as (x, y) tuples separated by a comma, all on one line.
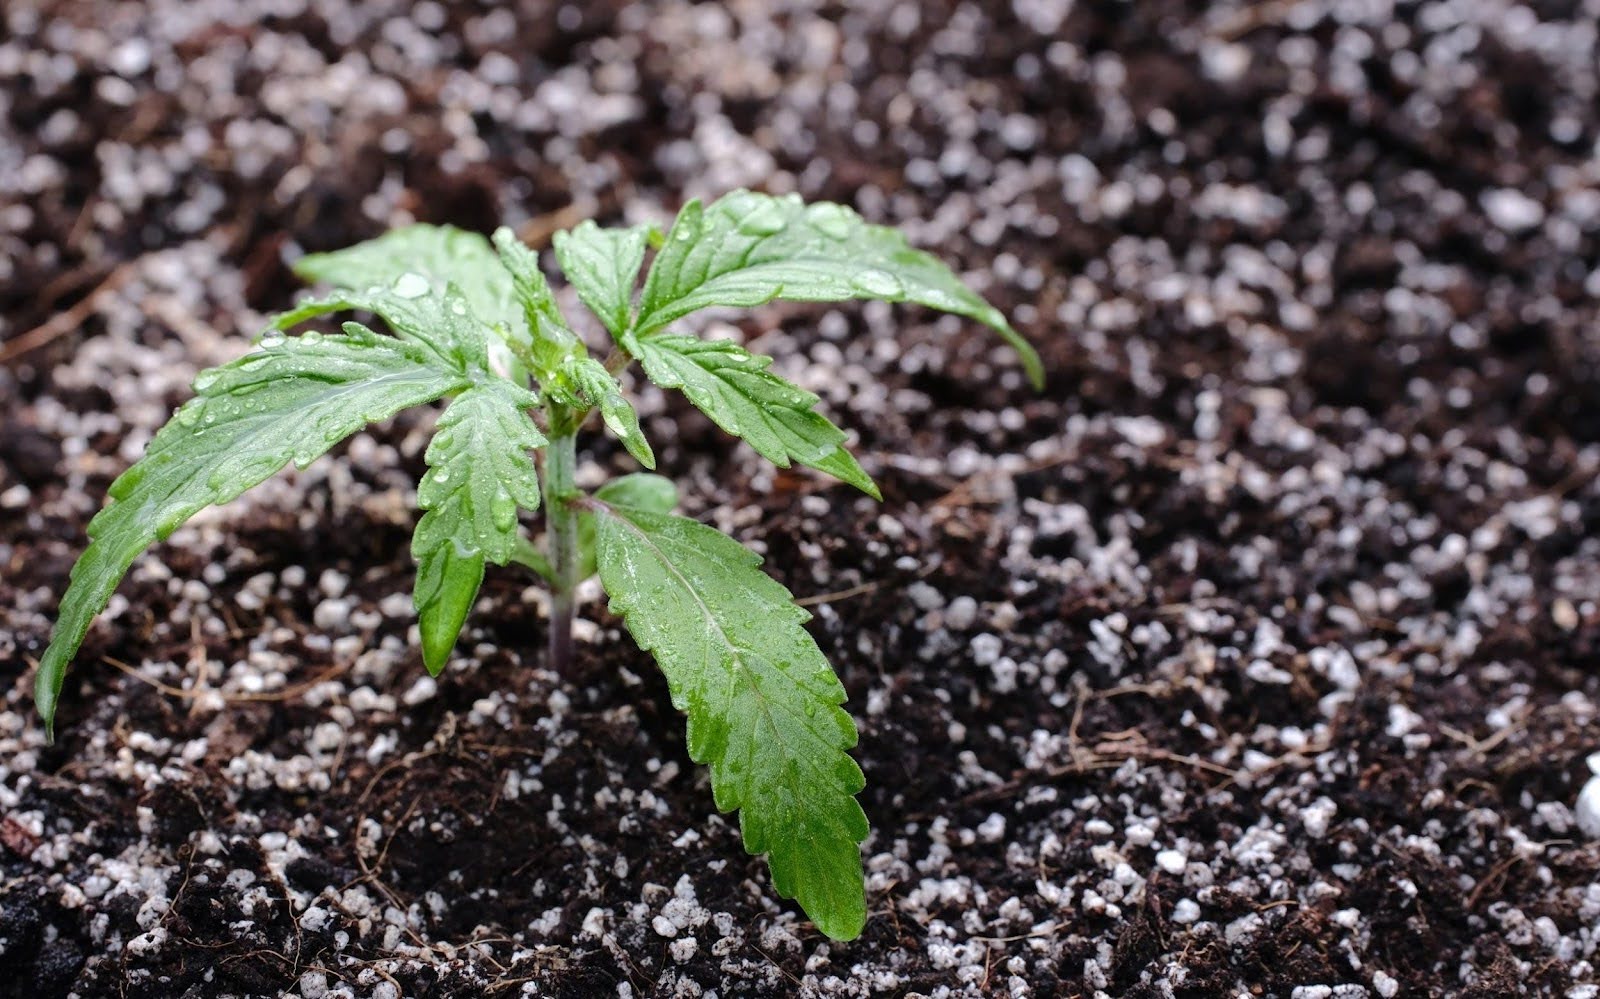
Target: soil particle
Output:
[(1250, 657)]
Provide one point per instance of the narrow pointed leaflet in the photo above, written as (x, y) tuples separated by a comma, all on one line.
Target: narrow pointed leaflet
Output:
[(734, 388)]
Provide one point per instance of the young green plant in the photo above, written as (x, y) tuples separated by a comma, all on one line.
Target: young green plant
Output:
[(477, 324)]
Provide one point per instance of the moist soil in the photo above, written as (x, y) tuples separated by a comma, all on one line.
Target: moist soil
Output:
[(1253, 656)]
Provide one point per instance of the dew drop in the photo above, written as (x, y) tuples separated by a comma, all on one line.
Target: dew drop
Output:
[(833, 221), (272, 338), (411, 285), (685, 229), (458, 307), (441, 475), (764, 219), (503, 511), (257, 469), (880, 284), (205, 379), (311, 337), (188, 416)]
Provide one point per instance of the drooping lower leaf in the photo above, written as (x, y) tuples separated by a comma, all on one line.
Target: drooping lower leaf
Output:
[(735, 388), (745, 249), (287, 402), (480, 474), (762, 702)]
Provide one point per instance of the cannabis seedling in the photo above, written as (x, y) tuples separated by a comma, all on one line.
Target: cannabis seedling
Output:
[(481, 328)]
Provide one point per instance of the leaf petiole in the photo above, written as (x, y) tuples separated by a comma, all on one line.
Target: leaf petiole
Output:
[(528, 555)]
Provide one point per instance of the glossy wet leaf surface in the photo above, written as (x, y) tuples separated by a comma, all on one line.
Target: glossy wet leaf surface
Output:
[(287, 402), (735, 388), (763, 704), (480, 476), (746, 248)]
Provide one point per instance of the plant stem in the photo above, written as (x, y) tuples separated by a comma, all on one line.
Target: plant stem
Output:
[(561, 460)]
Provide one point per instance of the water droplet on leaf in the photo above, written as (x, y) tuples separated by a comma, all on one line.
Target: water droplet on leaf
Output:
[(880, 284), (411, 285), (503, 511), (833, 221), (686, 228), (764, 219)]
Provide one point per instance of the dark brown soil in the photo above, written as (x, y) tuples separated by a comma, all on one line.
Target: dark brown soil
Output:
[(1254, 656)]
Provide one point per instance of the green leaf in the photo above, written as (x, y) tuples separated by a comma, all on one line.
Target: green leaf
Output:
[(746, 249), (441, 255), (530, 289), (603, 265), (291, 400), (440, 320), (566, 372), (588, 383), (639, 491), (481, 472), (734, 388), (762, 702)]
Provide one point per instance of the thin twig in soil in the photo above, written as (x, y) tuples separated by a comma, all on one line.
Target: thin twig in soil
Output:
[(287, 693), (63, 323), (1495, 875), (199, 663), (536, 232), (1482, 747), (1044, 931), (836, 595), (964, 489), (786, 972)]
